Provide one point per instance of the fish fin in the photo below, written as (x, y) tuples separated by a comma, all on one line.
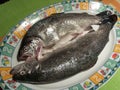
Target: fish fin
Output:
[(84, 13), (91, 31), (75, 35), (89, 28), (49, 46)]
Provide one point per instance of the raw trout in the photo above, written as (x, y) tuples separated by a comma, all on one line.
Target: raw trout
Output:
[(81, 56), (47, 36)]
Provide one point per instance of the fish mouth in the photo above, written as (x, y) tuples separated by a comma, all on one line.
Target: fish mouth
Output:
[(25, 56), (30, 55), (18, 78), (15, 70)]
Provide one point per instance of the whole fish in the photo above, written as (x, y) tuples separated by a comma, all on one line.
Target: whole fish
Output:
[(47, 36), (81, 56)]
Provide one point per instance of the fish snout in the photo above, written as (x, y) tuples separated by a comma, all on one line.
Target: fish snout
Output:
[(15, 70), (12, 71)]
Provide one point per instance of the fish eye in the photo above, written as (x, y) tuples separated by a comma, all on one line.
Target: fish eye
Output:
[(22, 73), (26, 49)]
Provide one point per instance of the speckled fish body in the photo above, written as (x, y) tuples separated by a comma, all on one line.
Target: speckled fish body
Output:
[(56, 31), (81, 56)]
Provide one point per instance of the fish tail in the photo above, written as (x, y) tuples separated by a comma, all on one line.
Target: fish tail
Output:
[(110, 20), (104, 14)]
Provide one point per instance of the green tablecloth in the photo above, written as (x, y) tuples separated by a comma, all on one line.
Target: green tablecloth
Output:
[(14, 11)]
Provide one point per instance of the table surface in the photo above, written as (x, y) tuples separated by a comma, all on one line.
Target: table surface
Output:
[(15, 10)]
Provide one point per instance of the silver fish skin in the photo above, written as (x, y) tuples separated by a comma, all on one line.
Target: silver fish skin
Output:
[(48, 32), (82, 56)]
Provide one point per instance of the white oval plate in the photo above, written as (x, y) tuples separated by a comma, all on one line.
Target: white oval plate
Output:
[(108, 60)]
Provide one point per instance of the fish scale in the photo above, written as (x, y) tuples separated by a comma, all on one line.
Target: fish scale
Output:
[(53, 30), (79, 57)]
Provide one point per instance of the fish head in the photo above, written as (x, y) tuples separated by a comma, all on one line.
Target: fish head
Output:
[(24, 71), (29, 50)]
